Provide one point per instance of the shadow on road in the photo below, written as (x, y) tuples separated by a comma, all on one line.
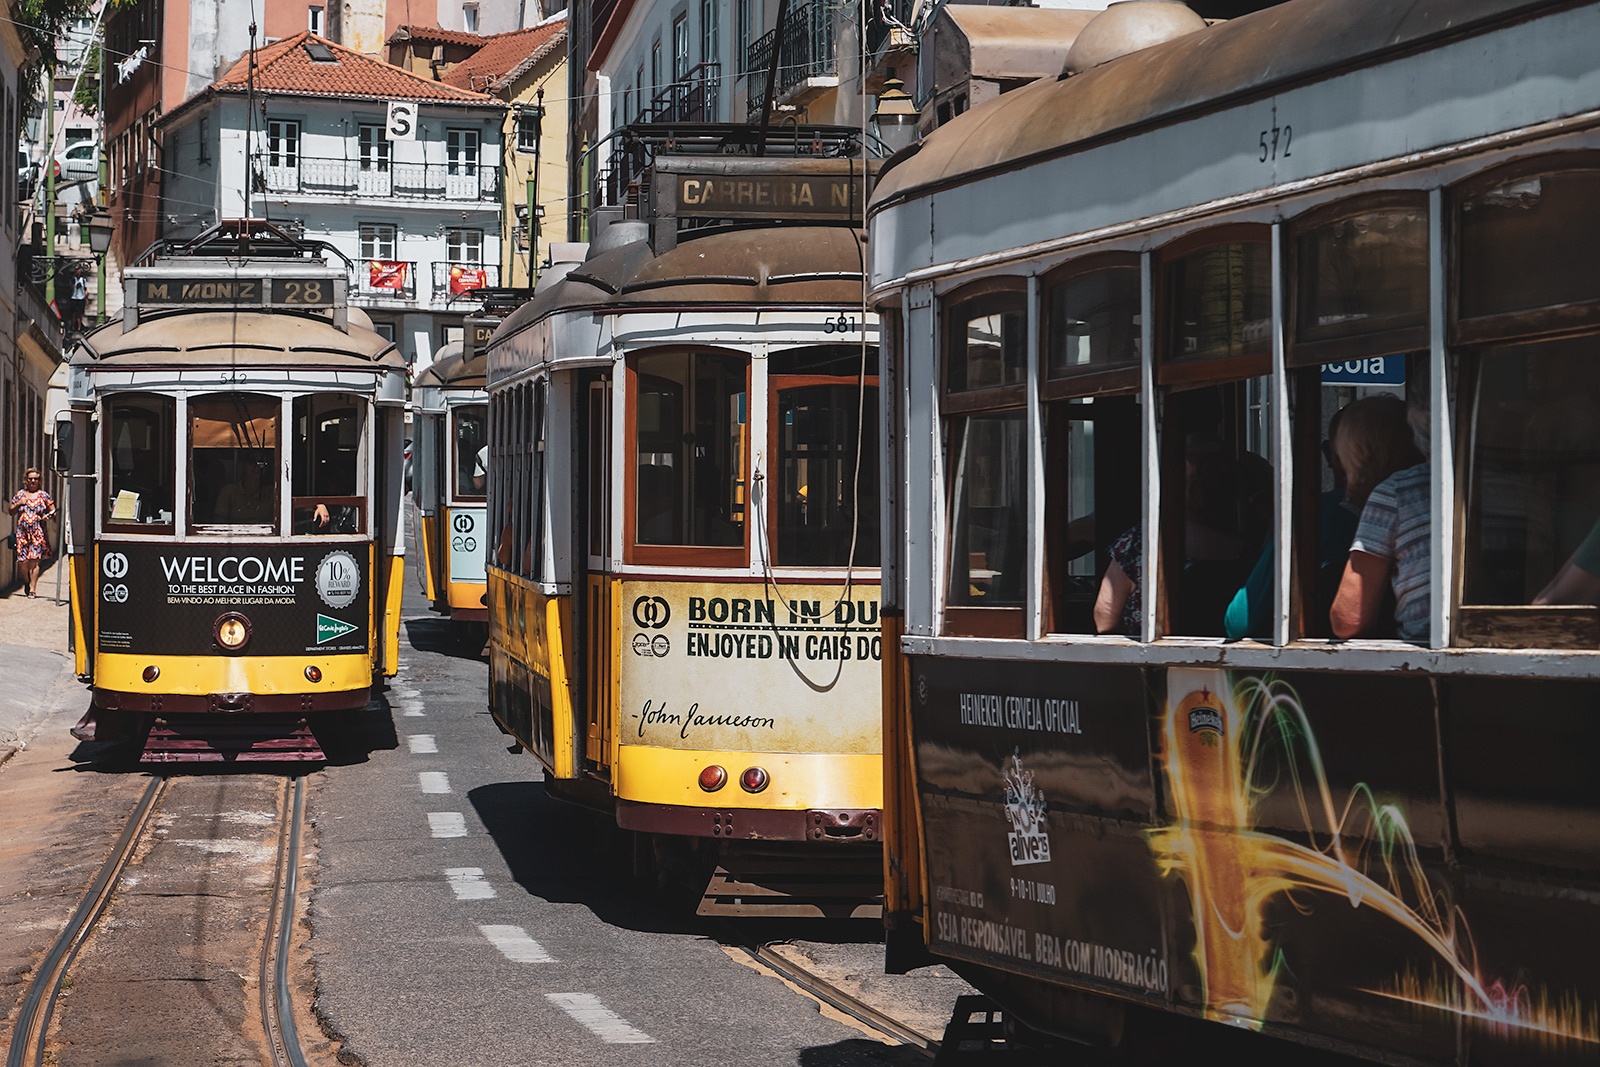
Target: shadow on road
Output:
[(458, 640)]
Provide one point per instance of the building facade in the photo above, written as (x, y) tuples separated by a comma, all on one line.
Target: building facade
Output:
[(414, 203)]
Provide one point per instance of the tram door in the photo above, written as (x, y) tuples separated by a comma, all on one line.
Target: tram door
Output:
[(599, 621)]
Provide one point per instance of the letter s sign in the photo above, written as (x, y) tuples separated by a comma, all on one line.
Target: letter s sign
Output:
[(402, 124)]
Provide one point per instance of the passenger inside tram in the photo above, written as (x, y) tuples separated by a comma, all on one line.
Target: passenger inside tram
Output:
[(1391, 551), (234, 438), (251, 499), (326, 487)]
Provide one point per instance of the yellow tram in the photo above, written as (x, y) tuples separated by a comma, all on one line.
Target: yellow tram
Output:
[(450, 425), (683, 578), (234, 445)]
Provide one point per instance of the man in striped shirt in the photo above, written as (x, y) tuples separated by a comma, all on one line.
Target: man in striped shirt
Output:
[(1392, 544)]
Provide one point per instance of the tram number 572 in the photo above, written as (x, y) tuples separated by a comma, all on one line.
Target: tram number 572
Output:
[(1274, 143)]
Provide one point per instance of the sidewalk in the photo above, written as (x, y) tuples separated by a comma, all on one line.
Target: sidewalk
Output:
[(33, 654)]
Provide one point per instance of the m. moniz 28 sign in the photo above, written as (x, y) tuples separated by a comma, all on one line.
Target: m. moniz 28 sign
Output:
[(769, 195), (163, 600), (251, 292)]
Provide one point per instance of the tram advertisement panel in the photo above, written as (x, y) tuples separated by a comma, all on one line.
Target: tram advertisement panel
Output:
[(1036, 785), (164, 599), (1296, 858), (466, 544), (710, 666)]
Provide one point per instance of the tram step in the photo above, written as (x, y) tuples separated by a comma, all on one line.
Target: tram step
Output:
[(232, 739), (976, 1036), (776, 885)]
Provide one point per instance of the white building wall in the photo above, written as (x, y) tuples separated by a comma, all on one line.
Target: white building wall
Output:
[(197, 194)]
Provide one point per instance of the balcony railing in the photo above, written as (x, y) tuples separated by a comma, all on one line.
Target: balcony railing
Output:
[(450, 280), (386, 279), (879, 27), (806, 51), (461, 180), (692, 98)]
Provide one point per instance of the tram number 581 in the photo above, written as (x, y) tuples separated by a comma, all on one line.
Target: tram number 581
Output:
[(843, 324)]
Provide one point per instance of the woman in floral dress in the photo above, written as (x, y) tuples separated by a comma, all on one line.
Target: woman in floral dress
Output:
[(30, 507)]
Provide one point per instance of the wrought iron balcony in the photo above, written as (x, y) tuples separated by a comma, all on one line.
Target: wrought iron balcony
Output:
[(380, 178), (692, 98), (806, 53)]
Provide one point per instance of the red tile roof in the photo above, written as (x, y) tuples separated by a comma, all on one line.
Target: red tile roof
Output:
[(505, 57), (435, 35), (285, 68)]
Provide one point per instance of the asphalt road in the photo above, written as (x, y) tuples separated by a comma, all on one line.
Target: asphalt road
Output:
[(460, 916)]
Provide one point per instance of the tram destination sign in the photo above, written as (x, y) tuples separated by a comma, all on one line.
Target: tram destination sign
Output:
[(830, 196), (312, 292)]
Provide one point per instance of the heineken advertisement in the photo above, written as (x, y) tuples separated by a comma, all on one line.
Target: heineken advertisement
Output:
[(155, 599)]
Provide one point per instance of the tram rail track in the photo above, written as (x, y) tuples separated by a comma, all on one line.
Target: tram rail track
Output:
[(30, 1033)]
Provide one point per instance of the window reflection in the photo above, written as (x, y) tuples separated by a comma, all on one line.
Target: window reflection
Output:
[(691, 451), (1221, 302), (988, 339), (989, 527), (1362, 274), (470, 440), (1094, 322), (1528, 243)]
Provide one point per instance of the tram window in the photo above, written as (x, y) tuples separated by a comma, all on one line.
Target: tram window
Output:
[(233, 468), (823, 423), (987, 344), (470, 440), (1532, 533), (1219, 301), (328, 494), (1216, 514), (1092, 323), (1347, 440), (140, 462), (986, 456), (533, 510), (691, 449), (1092, 497), (1527, 241), (1362, 274)]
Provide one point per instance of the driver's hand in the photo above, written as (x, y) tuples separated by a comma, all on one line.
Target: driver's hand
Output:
[(321, 515)]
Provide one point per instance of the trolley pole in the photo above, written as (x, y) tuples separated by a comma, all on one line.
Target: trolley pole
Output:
[(101, 199), (50, 188)]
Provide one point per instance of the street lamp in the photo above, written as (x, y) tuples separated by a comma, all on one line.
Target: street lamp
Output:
[(100, 243), (896, 116)]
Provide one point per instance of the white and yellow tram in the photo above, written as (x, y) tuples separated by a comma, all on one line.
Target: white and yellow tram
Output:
[(450, 427), (1131, 771), (683, 582), (234, 501)]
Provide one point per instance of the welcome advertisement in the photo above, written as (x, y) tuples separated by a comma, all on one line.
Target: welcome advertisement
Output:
[(769, 668), (297, 598)]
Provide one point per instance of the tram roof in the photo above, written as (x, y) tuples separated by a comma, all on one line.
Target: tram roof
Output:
[(809, 265), (200, 338), (454, 370), (1297, 41)]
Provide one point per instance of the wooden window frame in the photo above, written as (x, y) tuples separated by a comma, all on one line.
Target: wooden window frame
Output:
[(965, 620), (1203, 371), (1510, 327), (775, 384), (677, 555), (1106, 381), (990, 398), (1394, 340)]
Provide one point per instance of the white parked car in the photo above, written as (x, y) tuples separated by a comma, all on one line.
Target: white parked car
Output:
[(79, 162)]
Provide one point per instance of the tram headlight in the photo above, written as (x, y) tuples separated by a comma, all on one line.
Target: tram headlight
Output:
[(713, 778), (754, 780), (232, 631)]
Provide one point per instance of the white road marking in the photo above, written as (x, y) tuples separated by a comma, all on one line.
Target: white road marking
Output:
[(421, 744), (447, 823), (600, 1020), (434, 781), (412, 713), (468, 883), (515, 944)]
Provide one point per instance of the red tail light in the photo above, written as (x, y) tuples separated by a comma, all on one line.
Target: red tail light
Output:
[(713, 778), (754, 780), (151, 673), (313, 674)]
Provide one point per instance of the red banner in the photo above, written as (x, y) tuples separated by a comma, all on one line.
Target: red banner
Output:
[(384, 274), (465, 278)]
